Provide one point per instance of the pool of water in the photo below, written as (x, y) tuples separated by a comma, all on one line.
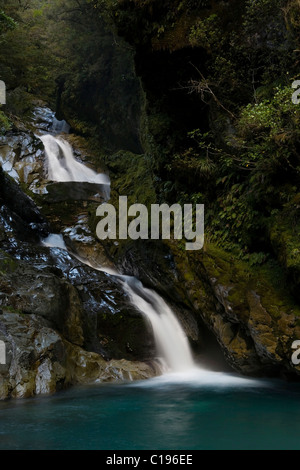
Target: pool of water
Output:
[(198, 410)]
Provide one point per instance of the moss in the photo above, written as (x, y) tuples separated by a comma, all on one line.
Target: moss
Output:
[(60, 214), (20, 102), (131, 176), (5, 123), (285, 240), (268, 281), (188, 276), (237, 278), (7, 264), (10, 309)]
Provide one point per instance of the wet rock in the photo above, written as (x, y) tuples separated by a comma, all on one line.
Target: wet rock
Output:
[(61, 320), (40, 361), (30, 345), (29, 290), (22, 156), (88, 367), (44, 120), (74, 191), (19, 213), (87, 306)]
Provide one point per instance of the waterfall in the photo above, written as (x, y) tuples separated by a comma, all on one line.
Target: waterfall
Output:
[(171, 341), (170, 338), (63, 167)]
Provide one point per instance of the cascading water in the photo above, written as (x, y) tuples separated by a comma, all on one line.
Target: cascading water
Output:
[(170, 338), (63, 167), (178, 365), (171, 341)]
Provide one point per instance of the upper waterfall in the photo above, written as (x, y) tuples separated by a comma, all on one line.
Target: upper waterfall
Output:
[(63, 167)]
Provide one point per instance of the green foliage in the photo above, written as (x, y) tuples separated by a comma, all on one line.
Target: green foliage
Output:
[(270, 118), (244, 165), (25, 60), (262, 13), (255, 170), (207, 33), (4, 123), (197, 158), (6, 22), (63, 53), (261, 172), (130, 174)]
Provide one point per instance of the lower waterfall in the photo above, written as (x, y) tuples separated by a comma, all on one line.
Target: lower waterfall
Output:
[(171, 341)]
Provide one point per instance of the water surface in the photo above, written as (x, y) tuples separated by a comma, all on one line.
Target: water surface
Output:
[(203, 410)]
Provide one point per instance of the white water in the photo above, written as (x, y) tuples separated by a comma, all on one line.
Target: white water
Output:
[(171, 341), (63, 167), (200, 377), (55, 241)]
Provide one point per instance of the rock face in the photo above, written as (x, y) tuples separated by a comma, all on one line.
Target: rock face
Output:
[(153, 264), (52, 321), (22, 157), (110, 97), (250, 311), (42, 361)]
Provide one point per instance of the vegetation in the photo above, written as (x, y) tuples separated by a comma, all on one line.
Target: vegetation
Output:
[(63, 53), (242, 159), (215, 117)]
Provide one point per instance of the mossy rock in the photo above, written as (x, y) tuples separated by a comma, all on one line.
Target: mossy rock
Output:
[(250, 310), (285, 240), (268, 281), (7, 263), (131, 176)]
